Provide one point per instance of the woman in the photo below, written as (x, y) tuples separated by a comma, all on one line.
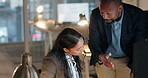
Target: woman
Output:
[(63, 60)]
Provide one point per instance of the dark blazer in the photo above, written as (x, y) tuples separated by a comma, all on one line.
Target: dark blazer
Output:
[(54, 68), (100, 34)]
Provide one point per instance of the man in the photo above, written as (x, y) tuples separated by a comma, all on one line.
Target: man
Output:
[(114, 28)]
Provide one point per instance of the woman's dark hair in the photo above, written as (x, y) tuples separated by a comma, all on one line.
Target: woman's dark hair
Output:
[(68, 38)]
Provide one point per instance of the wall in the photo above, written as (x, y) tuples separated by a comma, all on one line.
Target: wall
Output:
[(140, 3), (143, 4), (133, 2)]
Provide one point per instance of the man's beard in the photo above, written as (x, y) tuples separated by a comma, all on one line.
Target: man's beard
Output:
[(109, 23)]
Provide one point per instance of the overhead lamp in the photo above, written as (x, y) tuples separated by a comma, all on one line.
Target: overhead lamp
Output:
[(40, 9), (82, 21), (26, 69), (41, 23), (3, 0)]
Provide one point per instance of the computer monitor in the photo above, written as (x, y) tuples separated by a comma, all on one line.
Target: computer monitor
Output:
[(140, 60), (146, 21)]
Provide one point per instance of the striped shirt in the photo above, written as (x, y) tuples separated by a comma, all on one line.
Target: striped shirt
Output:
[(72, 66)]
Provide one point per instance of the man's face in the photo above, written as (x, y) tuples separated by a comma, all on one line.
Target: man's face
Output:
[(110, 12)]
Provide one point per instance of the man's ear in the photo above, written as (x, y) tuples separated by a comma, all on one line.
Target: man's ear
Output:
[(120, 8), (65, 49)]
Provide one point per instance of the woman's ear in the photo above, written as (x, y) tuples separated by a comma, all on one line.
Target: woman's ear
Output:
[(65, 49)]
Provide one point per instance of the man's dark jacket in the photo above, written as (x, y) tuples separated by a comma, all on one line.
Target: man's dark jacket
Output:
[(132, 31)]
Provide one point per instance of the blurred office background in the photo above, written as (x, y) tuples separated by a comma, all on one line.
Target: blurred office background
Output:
[(64, 13)]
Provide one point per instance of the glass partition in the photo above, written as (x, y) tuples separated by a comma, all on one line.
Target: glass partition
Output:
[(11, 16)]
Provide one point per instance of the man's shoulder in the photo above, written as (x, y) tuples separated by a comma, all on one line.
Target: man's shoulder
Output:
[(96, 10), (130, 7)]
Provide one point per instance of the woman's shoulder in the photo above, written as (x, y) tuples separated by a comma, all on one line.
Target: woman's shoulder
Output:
[(50, 56), (54, 58)]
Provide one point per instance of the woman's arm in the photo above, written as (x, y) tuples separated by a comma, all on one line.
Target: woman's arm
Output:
[(48, 69)]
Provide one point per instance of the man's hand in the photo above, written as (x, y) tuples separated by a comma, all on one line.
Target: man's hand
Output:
[(131, 75), (104, 59)]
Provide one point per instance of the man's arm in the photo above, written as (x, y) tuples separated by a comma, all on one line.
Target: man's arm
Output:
[(94, 37)]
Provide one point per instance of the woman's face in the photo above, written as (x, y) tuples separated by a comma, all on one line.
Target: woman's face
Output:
[(77, 50)]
